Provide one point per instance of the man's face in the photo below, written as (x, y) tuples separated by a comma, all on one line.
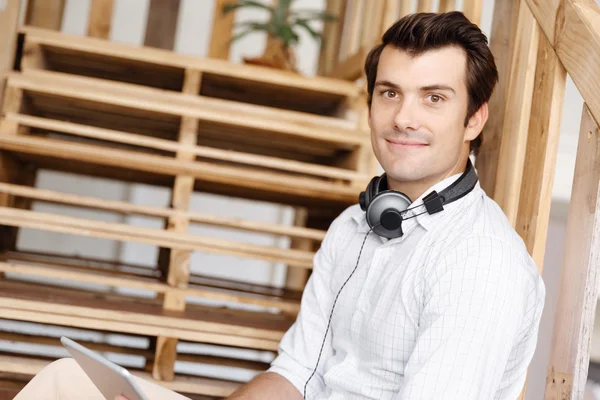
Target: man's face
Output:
[(417, 115)]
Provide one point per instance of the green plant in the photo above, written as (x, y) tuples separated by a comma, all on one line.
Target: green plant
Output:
[(283, 22)]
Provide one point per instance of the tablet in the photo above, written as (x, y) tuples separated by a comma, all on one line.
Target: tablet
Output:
[(110, 378)]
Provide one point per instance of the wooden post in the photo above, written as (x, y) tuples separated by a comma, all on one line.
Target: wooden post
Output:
[(424, 6), (533, 214), (578, 293), (100, 18), (46, 14), (472, 10), (9, 22), (332, 31), (178, 268), (502, 39), (450, 5), (542, 146), (296, 277), (162, 24), (221, 32)]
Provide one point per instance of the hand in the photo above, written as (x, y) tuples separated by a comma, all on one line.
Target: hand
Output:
[(121, 397)]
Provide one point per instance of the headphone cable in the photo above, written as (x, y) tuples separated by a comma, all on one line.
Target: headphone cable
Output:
[(332, 308)]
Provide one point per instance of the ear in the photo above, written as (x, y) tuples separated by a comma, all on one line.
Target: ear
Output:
[(476, 123)]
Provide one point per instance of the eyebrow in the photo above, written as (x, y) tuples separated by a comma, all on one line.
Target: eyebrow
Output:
[(429, 88)]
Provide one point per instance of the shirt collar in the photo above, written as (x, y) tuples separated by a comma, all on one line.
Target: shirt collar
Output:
[(424, 219)]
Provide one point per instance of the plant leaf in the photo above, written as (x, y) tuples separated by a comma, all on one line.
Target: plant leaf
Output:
[(227, 8), (304, 24), (312, 14)]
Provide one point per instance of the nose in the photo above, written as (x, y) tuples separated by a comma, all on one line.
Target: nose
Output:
[(406, 116)]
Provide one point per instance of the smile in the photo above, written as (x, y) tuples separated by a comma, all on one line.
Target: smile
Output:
[(406, 143)]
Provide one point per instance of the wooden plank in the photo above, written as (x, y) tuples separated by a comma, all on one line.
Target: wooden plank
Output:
[(108, 308), (450, 5), (248, 179), (128, 270), (405, 7), (516, 118), (162, 24), (296, 278), (573, 28), (100, 18), (109, 279), (533, 214), (424, 5), (472, 10), (46, 14), (268, 76), (222, 29), (372, 20), (9, 21), (352, 67), (184, 241), (542, 147), (502, 44), (332, 31), (390, 15), (226, 112), (129, 208), (546, 14), (353, 30), (140, 352), (115, 136), (177, 262), (578, 294), (183, 384)]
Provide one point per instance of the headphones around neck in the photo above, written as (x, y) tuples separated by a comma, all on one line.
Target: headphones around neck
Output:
[(386, 208)]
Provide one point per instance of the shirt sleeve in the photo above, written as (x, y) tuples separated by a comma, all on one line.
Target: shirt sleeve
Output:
[(476, 303), (299, 349)]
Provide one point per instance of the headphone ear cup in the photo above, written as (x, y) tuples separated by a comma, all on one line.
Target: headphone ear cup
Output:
[(366, 196)]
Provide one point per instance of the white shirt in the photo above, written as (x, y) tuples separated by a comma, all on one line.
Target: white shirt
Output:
[(451, 310)]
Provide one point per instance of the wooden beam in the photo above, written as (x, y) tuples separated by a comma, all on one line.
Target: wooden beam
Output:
[(222, 29), (47, 14), (176, 262), (100, 19), (502, 44), (424, 5), (450, 5), (118, 231), (129, 208), (352, 67), (353, 28), (578, 294), (168, 145), (542, 146), (574, 30), (296, 278), (516, 117), (533, 214), (9, 22), (110, 278), (332, 31), (472, 10), (162, 24)]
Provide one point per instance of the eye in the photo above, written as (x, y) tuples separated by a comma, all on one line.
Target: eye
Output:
[(435, 98), (390, 94)]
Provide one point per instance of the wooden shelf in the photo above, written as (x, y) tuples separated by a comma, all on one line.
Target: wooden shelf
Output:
[(135, 315)]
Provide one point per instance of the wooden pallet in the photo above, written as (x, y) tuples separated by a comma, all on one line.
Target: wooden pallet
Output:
[(134, 114)]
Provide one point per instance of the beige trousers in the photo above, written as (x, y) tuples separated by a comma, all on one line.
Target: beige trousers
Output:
[(65, 380)]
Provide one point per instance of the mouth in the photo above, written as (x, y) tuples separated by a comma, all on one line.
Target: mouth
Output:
[(406, 143)]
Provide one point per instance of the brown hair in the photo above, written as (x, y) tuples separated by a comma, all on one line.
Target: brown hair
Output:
[(421, 32)]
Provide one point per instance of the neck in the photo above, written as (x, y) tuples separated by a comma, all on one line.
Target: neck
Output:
[(415, 189)]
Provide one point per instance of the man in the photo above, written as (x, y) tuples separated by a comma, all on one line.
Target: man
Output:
[(449, 308)]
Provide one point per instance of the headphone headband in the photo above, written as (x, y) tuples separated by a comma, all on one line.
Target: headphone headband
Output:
[(385, 208)]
